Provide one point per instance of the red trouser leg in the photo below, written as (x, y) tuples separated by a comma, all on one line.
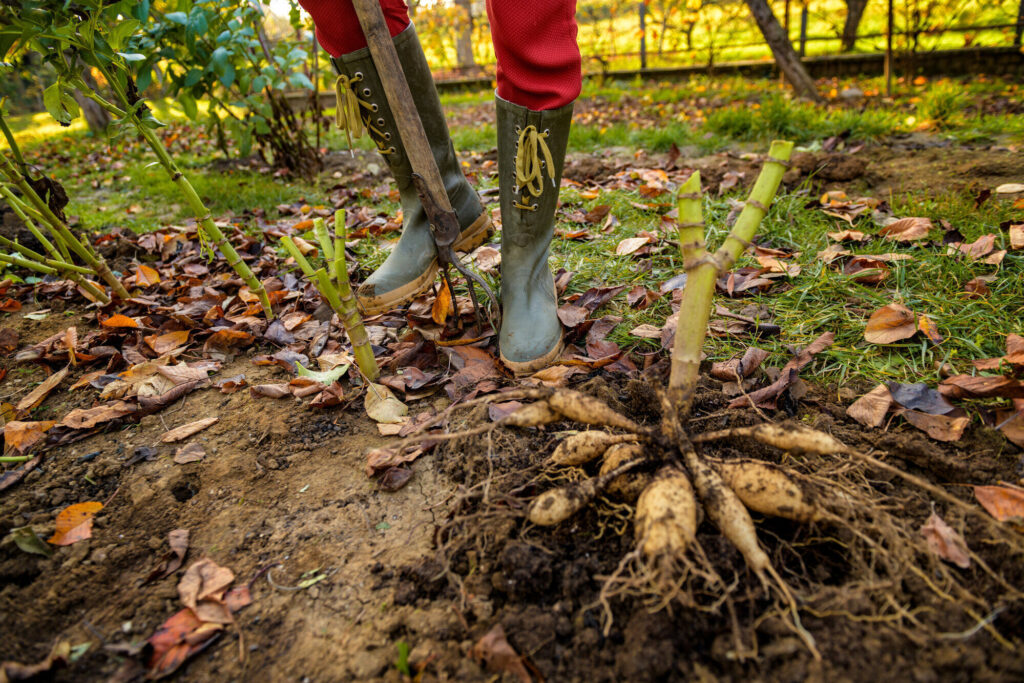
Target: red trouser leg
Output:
[(337, 26), (539, 65)]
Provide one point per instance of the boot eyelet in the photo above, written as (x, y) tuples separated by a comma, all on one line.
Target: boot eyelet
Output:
[(366, 92), (374, 107), (380, 122), (358, 76), (387, 136), (547, 131)]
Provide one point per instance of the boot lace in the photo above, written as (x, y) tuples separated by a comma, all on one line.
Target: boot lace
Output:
[(354, 115), (532, 157)]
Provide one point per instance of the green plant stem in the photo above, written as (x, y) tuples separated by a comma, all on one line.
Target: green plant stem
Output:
[(203, 217), (353, 323), (702, 271), (15, 458), (12, 143), (61, 233), (293, 251), (320, 230), (27, 263), (74, 272)]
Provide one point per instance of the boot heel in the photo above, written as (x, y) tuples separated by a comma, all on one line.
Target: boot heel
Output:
[(476, 234)]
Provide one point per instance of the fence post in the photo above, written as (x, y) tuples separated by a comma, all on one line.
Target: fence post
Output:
[(803, 31), (888, 52), (643, 34)]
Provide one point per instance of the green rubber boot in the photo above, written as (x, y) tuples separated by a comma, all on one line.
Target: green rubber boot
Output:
[(531, 152), (411, 267)]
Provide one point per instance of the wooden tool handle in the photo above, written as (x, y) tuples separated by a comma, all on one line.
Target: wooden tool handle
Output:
[(396, 89)]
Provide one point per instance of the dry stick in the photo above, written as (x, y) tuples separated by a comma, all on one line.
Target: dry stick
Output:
[(61, 233), (203, 217), (700, 284)]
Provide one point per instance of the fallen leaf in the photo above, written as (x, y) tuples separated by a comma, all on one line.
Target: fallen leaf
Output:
[(442, 307), (487, 259), (497, 656), (889, 324), (1002, 502), (172, 559), (938, 427), (927, 327), (866, 270), (571, 315), (37, 395), (28, 541), (730, 370), (849, 236), (1016, 232), (146, 276), (871, 408), (203, 579), (59, 657), (977, 288), (646, 331), (920, 397), (394, 478), (789, 374), (187, 430), (165, 343), (907, 229), (118, 320), (8, 340), (191, 452), (382, 405), (270, 390), (978, 248), (1010, 188), (630, 244), (170, 649), (21, 436), (74, 523), (968, 386), (945, 542), (554, 375)]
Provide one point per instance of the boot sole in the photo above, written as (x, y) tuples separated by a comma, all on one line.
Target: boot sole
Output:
[(471, 238), (531, 366)]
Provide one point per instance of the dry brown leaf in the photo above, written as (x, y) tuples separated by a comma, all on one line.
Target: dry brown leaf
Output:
[(37, 395), (945, 542), (554, 376), (1002, 502), (383, 406), (86, 418), (497, 656), (164, 343), (21, 436), (172, 560), (630, 244), (739, 367), (978, 248), (871, 408), (187, 430), (967, 386), (204, 579), (889, 324), (1010, 188), (487, 259), (907, 229), (191, 452), (74, 523), (1016, 236), (849, 236), (832, 252), (938, 427)]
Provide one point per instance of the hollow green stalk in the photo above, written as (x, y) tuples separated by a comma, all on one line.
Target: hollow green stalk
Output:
[(74, 272), (353, 324), (702, 270), (15, 458), (293, 251), (202, 214), (60, 232), (27, 263)]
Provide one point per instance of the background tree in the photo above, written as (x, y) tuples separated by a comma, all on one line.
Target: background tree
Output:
[(854, 13), (785, 56), (464, 36)]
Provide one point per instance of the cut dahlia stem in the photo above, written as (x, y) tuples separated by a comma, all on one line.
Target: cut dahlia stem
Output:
[(703, 269)]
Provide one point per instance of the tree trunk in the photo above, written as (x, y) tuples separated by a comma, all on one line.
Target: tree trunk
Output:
[(785, 56), (854, 13), (95, 116), (464, 39)]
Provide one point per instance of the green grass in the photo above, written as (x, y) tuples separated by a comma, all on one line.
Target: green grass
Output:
[(114, 183)]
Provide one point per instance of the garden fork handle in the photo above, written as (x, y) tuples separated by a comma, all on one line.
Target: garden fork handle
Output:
[(396, 89)]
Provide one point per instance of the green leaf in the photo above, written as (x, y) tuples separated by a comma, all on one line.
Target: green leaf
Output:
[(177, 17), (141, 10), (117, 36), (192, 77), (26, 539), (188, 105), (300, 80), (132, 56), (327, 377), (54, 103)]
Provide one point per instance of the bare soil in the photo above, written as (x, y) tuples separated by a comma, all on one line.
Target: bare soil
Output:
[(435, 565)]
